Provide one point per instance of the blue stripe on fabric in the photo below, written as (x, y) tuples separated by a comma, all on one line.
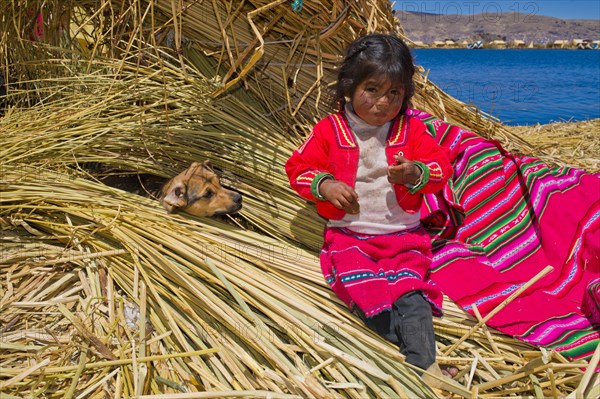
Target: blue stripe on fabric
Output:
[(390, 277), (364, 237)]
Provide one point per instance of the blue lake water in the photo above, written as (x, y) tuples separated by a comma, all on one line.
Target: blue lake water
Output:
[(520, 87)]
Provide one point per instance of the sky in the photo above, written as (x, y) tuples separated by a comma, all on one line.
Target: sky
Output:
[(568, 9)]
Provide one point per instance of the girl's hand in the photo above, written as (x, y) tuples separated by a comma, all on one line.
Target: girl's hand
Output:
[(341, 195), (404, 171)]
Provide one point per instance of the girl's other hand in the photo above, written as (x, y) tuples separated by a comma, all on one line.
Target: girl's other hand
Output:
[(403, 172), (341, 195)]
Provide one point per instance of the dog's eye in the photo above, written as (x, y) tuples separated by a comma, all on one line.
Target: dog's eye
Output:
[(208, 194), (179, 192)]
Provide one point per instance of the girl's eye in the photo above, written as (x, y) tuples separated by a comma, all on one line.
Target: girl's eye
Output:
[(371, 89)]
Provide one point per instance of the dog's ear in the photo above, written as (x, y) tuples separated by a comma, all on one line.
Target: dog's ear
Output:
[(208, 165)]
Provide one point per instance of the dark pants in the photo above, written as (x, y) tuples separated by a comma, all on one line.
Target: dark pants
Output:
[(410, 326)]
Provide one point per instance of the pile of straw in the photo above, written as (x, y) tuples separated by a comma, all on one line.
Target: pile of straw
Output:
[(104, 295), (577, 143)]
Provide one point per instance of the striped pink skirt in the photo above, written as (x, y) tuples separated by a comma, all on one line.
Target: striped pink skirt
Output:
[(372, 271)]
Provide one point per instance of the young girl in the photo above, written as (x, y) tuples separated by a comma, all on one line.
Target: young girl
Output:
[(367, 167)]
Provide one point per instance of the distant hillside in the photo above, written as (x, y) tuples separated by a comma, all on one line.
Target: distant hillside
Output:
[(505, 26)]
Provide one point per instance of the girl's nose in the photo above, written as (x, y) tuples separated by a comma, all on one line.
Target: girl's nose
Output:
[(384, 99)]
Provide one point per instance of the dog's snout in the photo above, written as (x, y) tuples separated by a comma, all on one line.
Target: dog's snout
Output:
[(236, 197)]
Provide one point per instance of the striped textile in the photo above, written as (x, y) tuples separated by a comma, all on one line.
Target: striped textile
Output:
[(501, 220), (373, 271)]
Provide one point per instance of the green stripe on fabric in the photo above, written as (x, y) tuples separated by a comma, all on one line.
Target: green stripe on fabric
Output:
[(484, 232), (465, 180), (585, 349), (483, 201)]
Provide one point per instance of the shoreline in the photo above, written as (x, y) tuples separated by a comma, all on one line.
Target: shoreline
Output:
[(593, 122), (500, 48)]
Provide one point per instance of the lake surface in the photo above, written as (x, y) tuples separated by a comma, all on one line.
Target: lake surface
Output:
[(521, 87)]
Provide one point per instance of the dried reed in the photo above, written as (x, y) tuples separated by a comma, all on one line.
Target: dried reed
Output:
[(104, 295)]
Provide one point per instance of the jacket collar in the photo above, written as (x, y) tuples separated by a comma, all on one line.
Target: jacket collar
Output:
[(396, 137), (398, 131)]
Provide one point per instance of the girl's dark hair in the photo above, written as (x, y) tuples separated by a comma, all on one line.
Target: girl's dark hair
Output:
[(375, 55)]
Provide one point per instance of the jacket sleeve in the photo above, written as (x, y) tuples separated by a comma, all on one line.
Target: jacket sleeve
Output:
[(307, 165), (432, 158)]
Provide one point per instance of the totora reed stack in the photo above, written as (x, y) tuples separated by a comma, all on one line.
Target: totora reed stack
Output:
[(103, 294)]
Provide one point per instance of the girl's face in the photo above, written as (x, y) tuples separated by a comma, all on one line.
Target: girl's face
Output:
[(377, 101)]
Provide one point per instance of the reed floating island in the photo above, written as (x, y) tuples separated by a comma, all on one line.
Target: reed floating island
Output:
[(105, 295)]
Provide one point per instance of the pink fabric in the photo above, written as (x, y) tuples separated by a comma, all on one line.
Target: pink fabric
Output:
[(37, 33), (591, 302), (503, 218), (372, 271)]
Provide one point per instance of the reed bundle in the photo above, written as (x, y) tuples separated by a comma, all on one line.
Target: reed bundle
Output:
[(262, 51), (576, 143), (104, 295), (262, 322)]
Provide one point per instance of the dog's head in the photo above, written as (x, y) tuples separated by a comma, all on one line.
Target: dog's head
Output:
[(198, 191)]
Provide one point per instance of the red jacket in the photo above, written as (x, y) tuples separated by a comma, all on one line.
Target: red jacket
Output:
[(331, 149)]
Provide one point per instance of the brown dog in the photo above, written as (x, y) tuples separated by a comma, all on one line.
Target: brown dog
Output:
[(198, 191)]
